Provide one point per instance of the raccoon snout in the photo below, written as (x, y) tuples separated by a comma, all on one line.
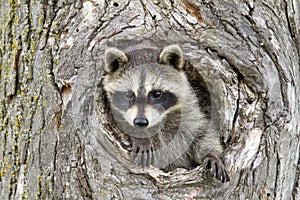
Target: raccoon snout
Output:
[(141, 122)]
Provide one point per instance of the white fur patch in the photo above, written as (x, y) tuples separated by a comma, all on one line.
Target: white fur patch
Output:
[(152, 115), (131, 114)]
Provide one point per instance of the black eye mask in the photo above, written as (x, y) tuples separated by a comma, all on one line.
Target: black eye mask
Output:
[(123, 100), (162, 100)]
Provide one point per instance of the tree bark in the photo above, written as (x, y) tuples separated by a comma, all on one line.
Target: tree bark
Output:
[(57, 140)]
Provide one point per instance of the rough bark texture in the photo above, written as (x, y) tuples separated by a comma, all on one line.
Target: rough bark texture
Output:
[(55, 137)]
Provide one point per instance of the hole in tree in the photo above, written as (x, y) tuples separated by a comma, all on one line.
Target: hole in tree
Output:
[(203, 96)]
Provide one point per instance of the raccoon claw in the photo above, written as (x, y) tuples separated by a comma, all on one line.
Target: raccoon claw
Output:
[(216, 167), (142, 152)]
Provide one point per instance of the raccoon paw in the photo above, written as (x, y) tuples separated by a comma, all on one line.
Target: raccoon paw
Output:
[(216, 167), (142, 152)]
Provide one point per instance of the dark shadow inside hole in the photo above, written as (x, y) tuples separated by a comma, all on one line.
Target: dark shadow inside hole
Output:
[(200, 88)]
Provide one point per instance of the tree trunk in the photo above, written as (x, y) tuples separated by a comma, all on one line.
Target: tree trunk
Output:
[(56, 137)]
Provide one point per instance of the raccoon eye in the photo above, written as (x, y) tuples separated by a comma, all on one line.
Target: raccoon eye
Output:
[(128, 95), (156, 94)]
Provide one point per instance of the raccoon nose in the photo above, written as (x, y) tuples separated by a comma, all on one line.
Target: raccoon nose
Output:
[(140, 122)]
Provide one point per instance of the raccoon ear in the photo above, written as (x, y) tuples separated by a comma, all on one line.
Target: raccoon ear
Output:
[(114, 59), (172, 55)]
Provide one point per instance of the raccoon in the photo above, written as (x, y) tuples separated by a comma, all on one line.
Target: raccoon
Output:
[(153, 103)]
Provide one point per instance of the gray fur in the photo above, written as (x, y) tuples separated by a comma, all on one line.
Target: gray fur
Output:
[(175, 137), (172, 55), (114, 58)]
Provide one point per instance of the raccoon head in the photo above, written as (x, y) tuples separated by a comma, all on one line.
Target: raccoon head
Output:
[(143, 93)]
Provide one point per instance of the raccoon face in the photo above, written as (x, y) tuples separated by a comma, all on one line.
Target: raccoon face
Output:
[(143, 94), (143, 109)]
